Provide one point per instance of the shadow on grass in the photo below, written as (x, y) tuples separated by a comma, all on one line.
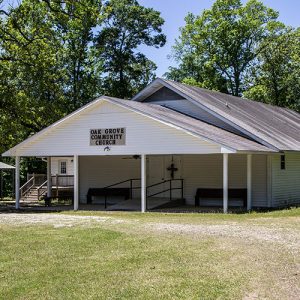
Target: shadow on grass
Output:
[(8, 207)]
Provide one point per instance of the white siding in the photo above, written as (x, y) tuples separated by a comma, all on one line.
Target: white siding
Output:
[(143, 136), (100, 171), (197, 171), (205, 171), (286, 183), (259, 181), (55, 165)]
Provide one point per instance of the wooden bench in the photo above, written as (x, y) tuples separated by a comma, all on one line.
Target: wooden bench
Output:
[(218, 193), (124, 192)]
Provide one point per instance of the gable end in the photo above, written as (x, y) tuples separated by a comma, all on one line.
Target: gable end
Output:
[(163, 93)]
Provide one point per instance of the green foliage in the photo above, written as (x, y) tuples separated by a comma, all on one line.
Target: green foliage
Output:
[(56, 56), (127, 26), (45, 60), (218, 47), (276, 77)]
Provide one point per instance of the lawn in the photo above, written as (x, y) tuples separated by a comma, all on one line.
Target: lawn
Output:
[(98, 255)]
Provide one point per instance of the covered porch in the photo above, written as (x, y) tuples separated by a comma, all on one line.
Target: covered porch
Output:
[(161, 182)]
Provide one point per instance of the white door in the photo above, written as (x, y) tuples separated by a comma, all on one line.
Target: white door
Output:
[(159, 168), (173, 167)]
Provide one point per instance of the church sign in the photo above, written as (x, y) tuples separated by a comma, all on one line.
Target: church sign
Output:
[(108, 136)]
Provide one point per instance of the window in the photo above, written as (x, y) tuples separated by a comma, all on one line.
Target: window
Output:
[(63, 167), (282, 162)]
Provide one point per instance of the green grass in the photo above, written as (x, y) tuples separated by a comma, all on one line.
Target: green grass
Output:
[(124, 261), (194, 218)]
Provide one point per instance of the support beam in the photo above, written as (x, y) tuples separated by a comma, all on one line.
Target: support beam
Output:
[(225, 183), (76, 182), (249, 181), (143, 183), (17, 181), (49, 179)]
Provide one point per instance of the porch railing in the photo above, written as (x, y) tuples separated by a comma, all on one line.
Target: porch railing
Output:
[(26, 187), (131, 187), (39, 182), (170, 188), (42, 189), (62, 180), (38, 178)]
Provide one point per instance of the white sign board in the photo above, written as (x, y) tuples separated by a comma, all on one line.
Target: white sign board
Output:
[(108, 137)]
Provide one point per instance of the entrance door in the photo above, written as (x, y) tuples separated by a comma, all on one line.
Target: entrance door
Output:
[(157, 171)]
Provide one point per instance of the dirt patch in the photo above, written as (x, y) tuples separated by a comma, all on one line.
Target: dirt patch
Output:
[(286, 237)]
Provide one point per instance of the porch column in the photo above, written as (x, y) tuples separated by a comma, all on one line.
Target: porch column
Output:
[(76, 182), (49, 179), (225, 182), (249, 181), (143, 183), (17, 181)]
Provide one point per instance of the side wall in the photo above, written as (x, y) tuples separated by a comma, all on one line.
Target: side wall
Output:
[(286, 183)]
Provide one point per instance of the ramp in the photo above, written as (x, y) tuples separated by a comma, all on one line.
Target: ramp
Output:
[(135, 204)]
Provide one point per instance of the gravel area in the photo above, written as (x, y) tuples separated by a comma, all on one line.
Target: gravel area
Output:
[(248, 232), (288, 237), (56, 220)]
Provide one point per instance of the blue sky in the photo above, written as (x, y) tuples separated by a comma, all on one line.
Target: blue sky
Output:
[(174, 11)]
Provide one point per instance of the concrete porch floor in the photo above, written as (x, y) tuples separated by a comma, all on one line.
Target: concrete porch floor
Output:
[(34, 207)]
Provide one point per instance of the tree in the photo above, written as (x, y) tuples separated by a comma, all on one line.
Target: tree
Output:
[(126, 27), (222, 42), (45, 63), (193, 68), (275, 79)]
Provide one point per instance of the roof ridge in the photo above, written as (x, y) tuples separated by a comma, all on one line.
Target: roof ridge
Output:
[(229, 95)]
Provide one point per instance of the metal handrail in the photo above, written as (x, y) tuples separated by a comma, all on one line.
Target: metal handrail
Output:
[(161, 182), (121, 182), (62, 175), (170, 189), (128, 180)]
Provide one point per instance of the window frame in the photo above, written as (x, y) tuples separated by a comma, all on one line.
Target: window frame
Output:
[(60, 167), (282, 162)]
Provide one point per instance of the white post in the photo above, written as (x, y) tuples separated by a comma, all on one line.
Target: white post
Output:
[(76, 182), (225, 182), (249, 181), (143, 183), (49, 178), (17, 181)]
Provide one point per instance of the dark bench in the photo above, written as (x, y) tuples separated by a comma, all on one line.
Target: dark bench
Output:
[(123, 192), (218, 193), (60, 200)]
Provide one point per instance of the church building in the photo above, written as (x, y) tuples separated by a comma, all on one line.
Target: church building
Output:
[(172, 145)]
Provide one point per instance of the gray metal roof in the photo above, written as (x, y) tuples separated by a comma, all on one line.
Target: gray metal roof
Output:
[(277, 127), (4, 166), (194, 126)]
